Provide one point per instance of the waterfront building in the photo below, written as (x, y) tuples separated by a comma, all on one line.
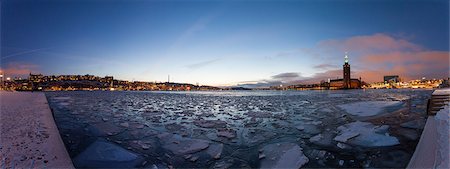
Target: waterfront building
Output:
[(346, 82), (391, 79)]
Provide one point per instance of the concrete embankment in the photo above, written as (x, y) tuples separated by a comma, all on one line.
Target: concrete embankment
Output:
[(432, 151), (29, 136)]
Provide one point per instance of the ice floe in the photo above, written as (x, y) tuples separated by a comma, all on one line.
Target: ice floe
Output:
[(324, 139), (106, 155), (365, 134), (180, 146), (368, 108), (283, 155)]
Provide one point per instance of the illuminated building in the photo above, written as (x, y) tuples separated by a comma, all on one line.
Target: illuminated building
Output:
[(346, 82), (391, 79)]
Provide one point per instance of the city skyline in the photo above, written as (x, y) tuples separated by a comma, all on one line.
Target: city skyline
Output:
[(222, 43)]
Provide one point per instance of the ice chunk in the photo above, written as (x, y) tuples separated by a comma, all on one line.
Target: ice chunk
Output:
[(181, 146), (230, 162), (283, 155), (365, 134), (368, 108), (227, 133), (300, 127), (308, 128), (316, 138), (324, 139), (343, 146), (345, 136), (215, 150), (210, 123), (103, 154), (125, 124)]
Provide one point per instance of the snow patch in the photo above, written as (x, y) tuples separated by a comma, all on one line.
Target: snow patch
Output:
[(442, 124)]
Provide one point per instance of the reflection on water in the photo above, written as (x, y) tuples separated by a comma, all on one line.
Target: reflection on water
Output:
[(224, 129)]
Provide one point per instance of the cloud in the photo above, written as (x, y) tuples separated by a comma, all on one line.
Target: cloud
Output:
[(201, 64), (289, 75), (288, 53), (260, 84), (15, 69), (368, 44), (409, 65), (23, 52), (275, 80), (325, 66), (371, 58)]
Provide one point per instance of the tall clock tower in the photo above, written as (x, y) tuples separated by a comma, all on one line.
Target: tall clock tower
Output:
[(346, 72)]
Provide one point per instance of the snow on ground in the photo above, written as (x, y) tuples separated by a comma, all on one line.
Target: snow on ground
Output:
[(365, 134), (445, 91), (442, 124), (368, 108)]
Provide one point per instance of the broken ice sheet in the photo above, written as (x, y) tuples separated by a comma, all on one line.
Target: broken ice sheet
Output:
[(368, 108), (365, 134)]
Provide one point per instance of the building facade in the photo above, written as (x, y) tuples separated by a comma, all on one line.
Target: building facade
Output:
[(346, 82), (346, 68), (391, 79)]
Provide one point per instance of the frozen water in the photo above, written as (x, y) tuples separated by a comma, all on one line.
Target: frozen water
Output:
[(104, 154), (414, 124), (368, 108), (344, 136), (409, 134), (324, 139), (181, 146), (365, 134), (215, 150), (283, 155), (227, 129)]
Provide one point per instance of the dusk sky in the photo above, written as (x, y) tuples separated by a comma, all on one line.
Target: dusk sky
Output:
[(222, 43)]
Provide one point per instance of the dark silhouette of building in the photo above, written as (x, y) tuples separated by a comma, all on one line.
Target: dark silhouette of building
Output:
[(346, 82), (346, 67), (391, 79)]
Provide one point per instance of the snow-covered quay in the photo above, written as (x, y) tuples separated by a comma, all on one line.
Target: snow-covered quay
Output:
[(241, 129), (433, 148), (29, 137)]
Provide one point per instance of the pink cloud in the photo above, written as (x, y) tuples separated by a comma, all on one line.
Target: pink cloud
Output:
[(15, 69), (373, 56), (410, 65), (369, 43)]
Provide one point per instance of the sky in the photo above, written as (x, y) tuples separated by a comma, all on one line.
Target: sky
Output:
[(226, 43)]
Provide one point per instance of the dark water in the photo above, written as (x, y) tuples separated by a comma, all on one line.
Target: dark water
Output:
[(241, 123)]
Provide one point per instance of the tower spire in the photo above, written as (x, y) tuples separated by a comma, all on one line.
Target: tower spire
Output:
[(346, 57)]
